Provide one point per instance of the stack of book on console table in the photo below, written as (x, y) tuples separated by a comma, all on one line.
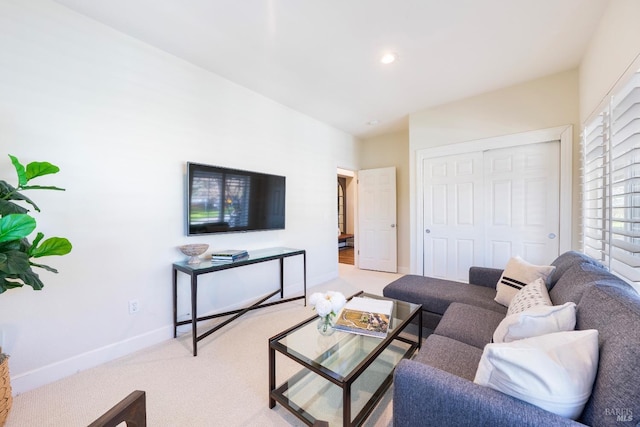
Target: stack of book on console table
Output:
[(365, 316), (229, 255)]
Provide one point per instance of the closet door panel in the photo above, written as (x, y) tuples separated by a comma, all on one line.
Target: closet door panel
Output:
[(523, 203), (452, 215), (482, 208)]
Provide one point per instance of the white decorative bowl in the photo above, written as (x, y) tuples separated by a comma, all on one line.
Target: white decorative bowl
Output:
[(193, 250)]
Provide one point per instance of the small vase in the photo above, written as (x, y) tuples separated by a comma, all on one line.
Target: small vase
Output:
[(325, 325)]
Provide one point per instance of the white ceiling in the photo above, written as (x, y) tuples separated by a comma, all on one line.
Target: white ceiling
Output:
[(321, 57)]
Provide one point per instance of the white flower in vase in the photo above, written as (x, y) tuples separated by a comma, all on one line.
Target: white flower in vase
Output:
[(327, 305)]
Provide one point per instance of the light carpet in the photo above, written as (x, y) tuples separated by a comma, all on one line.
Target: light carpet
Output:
[(225, 385)]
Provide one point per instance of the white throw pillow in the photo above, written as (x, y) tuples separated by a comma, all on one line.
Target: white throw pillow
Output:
[(554, 372), (535, 293), (538, 320), (517, 274)]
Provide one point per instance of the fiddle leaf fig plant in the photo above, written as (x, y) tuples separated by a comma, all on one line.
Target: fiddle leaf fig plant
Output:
[(16, 252)]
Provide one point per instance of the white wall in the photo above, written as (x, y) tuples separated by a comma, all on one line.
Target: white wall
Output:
[(121, 119), (539, 104), (610, 55)]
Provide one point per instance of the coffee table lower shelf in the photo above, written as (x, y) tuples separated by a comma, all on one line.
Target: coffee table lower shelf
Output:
[(312, 397), (339, 378)]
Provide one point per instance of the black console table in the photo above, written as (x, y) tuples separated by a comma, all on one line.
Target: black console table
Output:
[(195, 270)]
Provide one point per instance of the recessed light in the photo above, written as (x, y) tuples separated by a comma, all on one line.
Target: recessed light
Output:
[(389, 57), (373, 122)]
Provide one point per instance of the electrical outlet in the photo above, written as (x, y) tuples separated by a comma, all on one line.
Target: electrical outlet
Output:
[(134, 306)]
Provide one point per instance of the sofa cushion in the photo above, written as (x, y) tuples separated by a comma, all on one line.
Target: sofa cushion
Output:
[(615, 312), (553, 371), (449, 355), (517, 274), (469, 324), (436, 295), (574, 282), (535, 293), (484, 276), (567, 260), (536, 321)]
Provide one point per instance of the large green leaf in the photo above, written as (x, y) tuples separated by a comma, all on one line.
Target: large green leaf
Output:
[(14, 262), (10, 281), (7, 208), (5, 189), (20, 196), (51, 246), (30, 278), (20, 170), (21, 245), (8, 192), (36, 169), (8, 284), (16, 226)]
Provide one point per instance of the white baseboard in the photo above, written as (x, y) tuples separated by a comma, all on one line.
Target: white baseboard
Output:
[(318, 280), (53, 372), (47, 374)]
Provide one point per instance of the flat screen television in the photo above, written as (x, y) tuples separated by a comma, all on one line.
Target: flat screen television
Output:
[(222, 200)]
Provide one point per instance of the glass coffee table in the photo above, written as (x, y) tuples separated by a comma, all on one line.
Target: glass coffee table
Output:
[(340, 378)]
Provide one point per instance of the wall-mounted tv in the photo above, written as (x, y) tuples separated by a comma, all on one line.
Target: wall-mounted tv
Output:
[(221, 200)]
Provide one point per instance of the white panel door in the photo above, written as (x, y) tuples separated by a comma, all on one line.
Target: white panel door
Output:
[(522, 203), (453, 216), (377, 220), (482, 208)]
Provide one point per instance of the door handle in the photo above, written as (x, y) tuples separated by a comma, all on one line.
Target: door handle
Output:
[(393, 225), (427, 231), (552, 236)]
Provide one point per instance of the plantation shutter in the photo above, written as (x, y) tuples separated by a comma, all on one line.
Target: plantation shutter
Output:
[(595, 190), (625, 181), (611, 184)]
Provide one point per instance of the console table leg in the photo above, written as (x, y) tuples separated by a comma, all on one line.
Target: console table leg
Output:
[(175, 303), (194, 312), (281, 278)]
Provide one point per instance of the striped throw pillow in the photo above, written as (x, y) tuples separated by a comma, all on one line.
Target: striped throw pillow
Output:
[(517, 274)]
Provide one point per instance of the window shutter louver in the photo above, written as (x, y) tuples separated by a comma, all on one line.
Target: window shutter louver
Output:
[(594, 189), (625, 181), (611, 184)]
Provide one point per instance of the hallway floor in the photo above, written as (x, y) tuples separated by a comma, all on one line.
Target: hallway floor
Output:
[(346, 256)]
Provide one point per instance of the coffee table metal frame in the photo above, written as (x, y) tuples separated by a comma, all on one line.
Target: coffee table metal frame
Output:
[(344, 382)]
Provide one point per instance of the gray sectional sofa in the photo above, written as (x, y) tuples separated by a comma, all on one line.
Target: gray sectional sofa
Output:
[(436, 387)]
